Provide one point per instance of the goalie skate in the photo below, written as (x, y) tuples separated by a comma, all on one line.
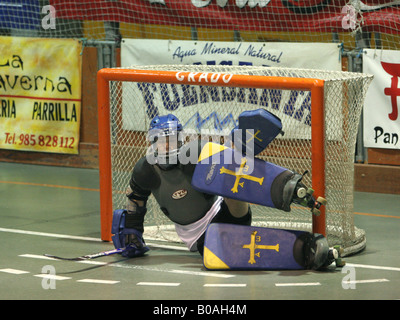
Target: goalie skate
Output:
[(296, 192)]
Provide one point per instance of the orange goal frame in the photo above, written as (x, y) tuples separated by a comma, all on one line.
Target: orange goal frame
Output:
[(104, 76)]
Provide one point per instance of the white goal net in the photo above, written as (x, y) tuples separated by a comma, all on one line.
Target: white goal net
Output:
[(205, 105)]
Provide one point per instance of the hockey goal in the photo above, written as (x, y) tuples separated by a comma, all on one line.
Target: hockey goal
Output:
[(320, 112)]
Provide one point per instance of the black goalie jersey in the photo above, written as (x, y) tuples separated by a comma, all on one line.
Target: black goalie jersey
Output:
[(172, 189)]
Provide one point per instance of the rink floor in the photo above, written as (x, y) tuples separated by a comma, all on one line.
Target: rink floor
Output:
[(55, 210)]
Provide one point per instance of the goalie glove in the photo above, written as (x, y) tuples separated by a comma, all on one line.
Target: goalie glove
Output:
[(136, 246), (126, 237)]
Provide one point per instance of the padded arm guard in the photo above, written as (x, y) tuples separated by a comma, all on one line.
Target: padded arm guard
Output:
[(135, 213)]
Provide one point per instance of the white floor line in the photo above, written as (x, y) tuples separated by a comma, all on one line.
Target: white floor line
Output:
[(99, 281), (164, 246), (128, 266), (65, 236), (159, 284), (355, 265), (225, 285), (51, 276), (199, 273), (175, 271), (297, 284), (45, 234), (42, 257), (36, 256), (365, 281), (13, 271)]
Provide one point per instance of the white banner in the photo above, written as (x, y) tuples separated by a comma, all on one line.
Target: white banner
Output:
[(161, 99), (381, 112), (270, 54)]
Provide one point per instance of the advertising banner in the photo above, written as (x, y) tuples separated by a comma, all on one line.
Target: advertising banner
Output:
[(268, 54), (261, 15), (202, 109), (381, 110), (40, 94)]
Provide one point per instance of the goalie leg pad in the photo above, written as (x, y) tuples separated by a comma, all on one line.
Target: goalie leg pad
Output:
[(250, 180), (257, 129)]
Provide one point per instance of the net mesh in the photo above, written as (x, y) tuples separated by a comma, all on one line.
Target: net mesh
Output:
[(202, 108), (375, 22)]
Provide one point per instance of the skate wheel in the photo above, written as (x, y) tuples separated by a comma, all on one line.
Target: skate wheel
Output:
[(339, 249), (340, 263), (322, 201), (316, 211), (301, 193), (310, 191)]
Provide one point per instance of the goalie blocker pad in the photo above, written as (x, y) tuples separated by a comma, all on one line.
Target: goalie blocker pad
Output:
[(257, 130)]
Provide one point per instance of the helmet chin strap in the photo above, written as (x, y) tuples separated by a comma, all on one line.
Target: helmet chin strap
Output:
[(166, 167), (167, 163), (166, 159)]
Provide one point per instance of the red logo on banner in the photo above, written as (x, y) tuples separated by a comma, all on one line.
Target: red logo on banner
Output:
[(394, 91)]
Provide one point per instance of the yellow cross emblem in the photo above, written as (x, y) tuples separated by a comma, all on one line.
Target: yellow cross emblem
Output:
[(240, 174), (253, 136), (252, 246)]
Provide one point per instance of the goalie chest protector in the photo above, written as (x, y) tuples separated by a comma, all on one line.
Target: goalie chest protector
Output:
[(173, 190)]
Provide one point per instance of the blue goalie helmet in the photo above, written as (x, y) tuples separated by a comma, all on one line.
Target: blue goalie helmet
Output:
[(165, 140)]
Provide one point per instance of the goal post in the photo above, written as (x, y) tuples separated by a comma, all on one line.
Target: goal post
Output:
[(129, 97)]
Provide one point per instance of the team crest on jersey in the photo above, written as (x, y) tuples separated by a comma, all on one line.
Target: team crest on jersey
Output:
[(179, 194)]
